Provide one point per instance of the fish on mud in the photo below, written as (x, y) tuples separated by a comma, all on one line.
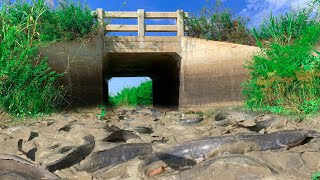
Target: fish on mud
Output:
[(121, 136), (114, 156), (74, 155), (192, 152), (141, 130), (14, 167), (31, 154)]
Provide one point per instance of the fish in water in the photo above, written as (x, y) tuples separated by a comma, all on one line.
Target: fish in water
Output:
[(74, 155), (114, 156), (199, 150), (14, 167)]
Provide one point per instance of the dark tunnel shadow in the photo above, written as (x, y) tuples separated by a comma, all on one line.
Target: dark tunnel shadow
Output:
[(162, 68)]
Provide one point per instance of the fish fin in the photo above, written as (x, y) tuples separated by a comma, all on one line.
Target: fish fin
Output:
[(31, 154), (20, 146)]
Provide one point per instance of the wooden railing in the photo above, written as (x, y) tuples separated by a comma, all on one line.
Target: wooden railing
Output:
[(141, 27)]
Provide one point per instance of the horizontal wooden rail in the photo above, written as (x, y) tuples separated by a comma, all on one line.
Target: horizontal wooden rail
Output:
[(141, 15), (149, 28), (148, 15)]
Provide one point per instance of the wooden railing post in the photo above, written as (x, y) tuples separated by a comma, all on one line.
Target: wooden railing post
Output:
[(141, 25), (180, 23), (100, 18)]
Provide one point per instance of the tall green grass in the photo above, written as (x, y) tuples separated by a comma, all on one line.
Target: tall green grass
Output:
[(28, 86), (285, 75), (216, 22), (140, 95)]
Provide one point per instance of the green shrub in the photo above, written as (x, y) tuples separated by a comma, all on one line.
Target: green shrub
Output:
[(67, 22), (141, 95), (285, 75), (285, 28), (220, 25), (28, 86)]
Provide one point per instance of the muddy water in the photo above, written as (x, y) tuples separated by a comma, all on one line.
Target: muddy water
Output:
[(56, 138)]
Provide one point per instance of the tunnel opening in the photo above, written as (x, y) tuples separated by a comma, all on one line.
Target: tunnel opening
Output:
[(130, 91), (162, 68)]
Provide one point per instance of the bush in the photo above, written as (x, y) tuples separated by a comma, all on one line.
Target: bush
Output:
[(67, 22), (141, 95), (285, 75), (28, 86), (220, 25), (286, 28)]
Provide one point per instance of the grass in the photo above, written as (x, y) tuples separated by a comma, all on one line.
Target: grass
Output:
[(28, 85), (140, 95), (285, 75), (217, 23)]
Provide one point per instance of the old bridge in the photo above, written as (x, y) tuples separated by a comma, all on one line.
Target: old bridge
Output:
[(185, 71)]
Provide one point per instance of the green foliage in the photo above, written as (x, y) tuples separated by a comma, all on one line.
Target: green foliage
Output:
[(103, 113), (286, 28), (141, 95), (315, 176), (28, 86), (285, 75), (67, 22), (219, 24)]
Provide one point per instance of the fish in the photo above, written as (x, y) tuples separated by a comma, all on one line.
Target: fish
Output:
[(211, 167), (74, 155), (114, 156), (191, 120), (193, 152), (120, 136), (70, 125), (141, 130), (15, 167), (31, 154), (263, 124)]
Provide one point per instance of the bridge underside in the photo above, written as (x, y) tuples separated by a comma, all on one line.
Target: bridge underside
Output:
[(186, 72), (162, 68)]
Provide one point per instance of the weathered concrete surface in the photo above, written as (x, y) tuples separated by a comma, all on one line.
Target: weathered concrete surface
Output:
[(185, 71), (82, 60), (211, 71)]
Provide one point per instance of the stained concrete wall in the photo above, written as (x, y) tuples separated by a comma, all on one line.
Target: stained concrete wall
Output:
[(212, 72), (82, 60)]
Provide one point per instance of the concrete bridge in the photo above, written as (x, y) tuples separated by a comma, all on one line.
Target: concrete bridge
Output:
[(185, 71)]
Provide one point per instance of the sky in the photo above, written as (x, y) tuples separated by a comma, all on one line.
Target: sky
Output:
[(255, 10)]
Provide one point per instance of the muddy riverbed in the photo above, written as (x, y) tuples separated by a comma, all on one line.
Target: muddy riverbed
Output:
[(126, 143)]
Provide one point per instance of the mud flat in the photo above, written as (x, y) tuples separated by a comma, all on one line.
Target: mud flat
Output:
[(147, 143)]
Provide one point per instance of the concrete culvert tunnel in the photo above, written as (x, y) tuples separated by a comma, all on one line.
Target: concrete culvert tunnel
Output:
[(162, 68)]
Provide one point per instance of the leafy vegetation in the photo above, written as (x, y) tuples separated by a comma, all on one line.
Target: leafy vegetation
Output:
[(28, 86), (141, 95), (315, 176), (285, 75), (219, 24)]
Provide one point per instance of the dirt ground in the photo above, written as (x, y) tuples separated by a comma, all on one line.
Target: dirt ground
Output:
[(57, 135)]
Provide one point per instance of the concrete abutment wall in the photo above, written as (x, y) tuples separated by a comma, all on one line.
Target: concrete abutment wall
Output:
[(185, 71), (212, 72)]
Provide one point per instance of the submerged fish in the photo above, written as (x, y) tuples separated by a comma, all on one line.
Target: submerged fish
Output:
[(74, 155), (114, 156), (199, 150), (14, 167)]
